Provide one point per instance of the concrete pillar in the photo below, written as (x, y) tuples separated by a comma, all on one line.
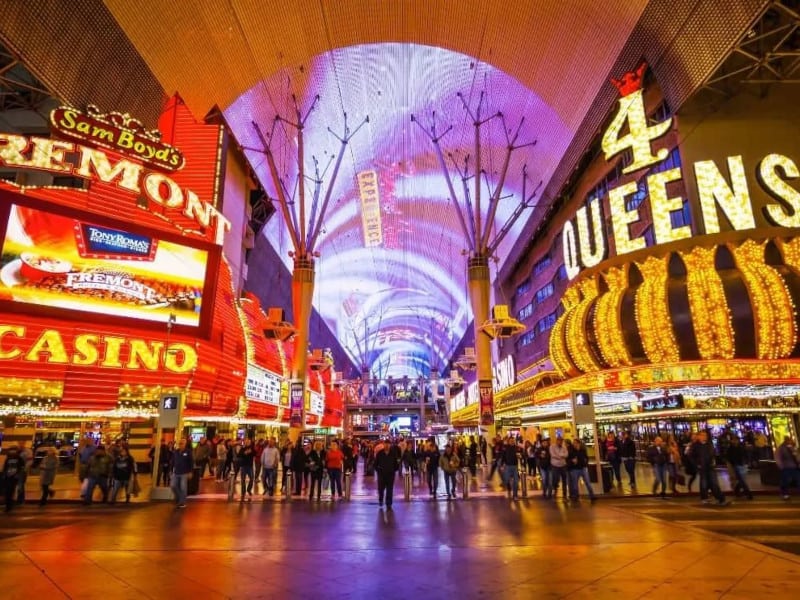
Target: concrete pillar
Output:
[(302, 295), (479, 289)]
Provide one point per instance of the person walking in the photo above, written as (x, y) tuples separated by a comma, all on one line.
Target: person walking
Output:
[(286, 463), (579, 471), (315, 465), (484, 449), (11, 470), (387, 462), (98, 474), (688, 463), (610, 453), (182, 464), (738, 459), (432, 468), (789, 464), (298, 467), (673, 463), (702, 454), (627, 453), (258, 450), (449, 462), (201, 455), (123, 470), (558, 466), (270, 458), (222, 458), (545, 469), (334, 463), (658, 457), (47, 475), (26, 454), (511, 469), (246, 457), (472, 461)]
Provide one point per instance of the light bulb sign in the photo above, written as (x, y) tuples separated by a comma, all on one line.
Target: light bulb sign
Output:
[(724, 198)]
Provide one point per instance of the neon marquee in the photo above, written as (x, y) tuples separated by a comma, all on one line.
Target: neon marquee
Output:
[(53, 155), (584, 241)]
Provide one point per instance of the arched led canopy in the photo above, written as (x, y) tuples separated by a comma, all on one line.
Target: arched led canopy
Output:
[(244, 57), (391, 245)]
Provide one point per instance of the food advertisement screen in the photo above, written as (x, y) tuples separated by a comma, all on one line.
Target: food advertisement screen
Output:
[(56, 261)]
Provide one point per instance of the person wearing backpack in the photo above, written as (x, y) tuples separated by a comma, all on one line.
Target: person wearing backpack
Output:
[(449, 462), (12, 468)]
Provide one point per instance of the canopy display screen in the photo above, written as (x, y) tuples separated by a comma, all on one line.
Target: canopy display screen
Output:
[(55, 261)]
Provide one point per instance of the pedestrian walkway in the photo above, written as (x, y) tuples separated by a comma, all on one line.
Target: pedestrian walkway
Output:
[(301, 550)]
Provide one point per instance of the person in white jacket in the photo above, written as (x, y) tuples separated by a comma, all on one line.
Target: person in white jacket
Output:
[(269, 467), (558, 464)]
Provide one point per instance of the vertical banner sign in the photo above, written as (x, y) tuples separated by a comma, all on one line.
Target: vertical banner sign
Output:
[(487, 402), (296, 404)]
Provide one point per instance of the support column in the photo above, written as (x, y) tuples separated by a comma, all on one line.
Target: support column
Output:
[(479, 288), (302, 295)]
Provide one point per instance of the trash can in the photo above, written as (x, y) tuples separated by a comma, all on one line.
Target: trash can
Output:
[(193, 485), (769, 472), (608, 475)]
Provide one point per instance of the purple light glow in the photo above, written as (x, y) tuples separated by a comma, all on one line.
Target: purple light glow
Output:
[(404, 290)]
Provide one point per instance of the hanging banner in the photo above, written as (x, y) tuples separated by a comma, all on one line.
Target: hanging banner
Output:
[(296, 404), (487, 402)]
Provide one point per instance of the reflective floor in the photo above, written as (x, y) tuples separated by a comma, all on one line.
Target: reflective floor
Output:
[(484, 547)]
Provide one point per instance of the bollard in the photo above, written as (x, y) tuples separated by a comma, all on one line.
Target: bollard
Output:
[(347, 482), (407, 486), (523, 477), (287, 491), (465, 483)]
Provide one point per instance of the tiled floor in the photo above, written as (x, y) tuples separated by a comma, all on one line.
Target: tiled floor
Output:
[(483, 548)]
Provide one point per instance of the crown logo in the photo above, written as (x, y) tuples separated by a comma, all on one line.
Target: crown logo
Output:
[(123, 121), (631, 81)]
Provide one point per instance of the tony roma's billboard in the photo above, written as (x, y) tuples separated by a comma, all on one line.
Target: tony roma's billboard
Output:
[(59, 262)]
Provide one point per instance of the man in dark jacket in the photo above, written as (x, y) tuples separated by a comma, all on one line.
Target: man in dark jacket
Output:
[(12, 468), (738, 459), (182, 465), (702, 455), (98, 474), (387, 461), (627, 452), (511, 468)]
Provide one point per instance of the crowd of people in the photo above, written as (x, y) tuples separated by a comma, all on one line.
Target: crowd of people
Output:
[(311, 465)]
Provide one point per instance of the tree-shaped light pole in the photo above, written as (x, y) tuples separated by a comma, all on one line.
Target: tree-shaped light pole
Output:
[(477, 230), (304, 230)]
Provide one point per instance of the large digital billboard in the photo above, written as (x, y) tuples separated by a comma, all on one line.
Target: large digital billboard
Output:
[(54, 261)]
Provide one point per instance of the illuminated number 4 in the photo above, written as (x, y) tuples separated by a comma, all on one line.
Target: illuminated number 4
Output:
[(631, 109)]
